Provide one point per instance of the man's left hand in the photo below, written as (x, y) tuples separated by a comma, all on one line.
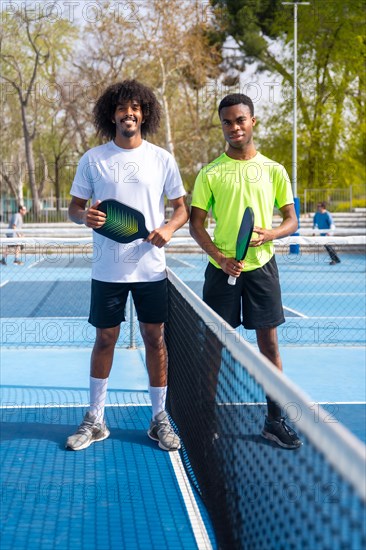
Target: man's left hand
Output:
[(160, 237), (263, 236)]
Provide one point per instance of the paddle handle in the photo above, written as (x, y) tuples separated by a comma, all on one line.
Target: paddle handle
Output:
[(232, 280)]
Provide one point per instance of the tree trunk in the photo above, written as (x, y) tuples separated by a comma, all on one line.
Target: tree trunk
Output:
[(30, 164), (168, 130), (57, 184), (11, 174)]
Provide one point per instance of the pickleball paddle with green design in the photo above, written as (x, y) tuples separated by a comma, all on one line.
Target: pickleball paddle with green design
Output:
[(123, 223)]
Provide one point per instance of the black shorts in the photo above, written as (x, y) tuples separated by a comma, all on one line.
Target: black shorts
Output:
[(108, 302), (255, 300)]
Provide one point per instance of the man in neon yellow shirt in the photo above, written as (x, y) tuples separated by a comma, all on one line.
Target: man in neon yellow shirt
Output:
[(243, 177)]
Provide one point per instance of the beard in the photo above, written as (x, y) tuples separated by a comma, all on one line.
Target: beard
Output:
[(129, 133), (126, 132)]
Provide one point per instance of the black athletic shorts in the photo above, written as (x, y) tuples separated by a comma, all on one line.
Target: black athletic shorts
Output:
[(108, 302), (255, 300)]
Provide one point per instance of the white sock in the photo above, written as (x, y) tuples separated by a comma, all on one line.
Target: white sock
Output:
[(98, 394), (158, 398)]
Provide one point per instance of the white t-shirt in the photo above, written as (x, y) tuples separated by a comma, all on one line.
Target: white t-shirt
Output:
[(140, 178)]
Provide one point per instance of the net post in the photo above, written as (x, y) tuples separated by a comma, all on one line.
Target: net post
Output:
[(295, 248)]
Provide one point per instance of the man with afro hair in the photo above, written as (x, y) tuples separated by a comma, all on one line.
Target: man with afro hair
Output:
[(128, 169)]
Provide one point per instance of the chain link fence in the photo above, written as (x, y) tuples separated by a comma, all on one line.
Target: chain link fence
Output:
[(45, 301)]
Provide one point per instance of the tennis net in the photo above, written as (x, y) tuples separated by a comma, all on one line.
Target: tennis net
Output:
[(258, 496)]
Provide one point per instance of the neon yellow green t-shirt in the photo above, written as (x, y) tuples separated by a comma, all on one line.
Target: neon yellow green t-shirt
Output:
[(228, 186)]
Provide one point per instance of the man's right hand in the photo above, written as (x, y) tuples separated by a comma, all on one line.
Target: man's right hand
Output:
[(92, 217), (231, 266)]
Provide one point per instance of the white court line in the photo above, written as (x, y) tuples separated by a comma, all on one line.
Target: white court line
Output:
[(241, 404), (323, 293), (36, 262), (121, 405), (340, 403), (331, 316), (70, 405), (297, 313), (53, 317), (194, 514), (4, 283), (186, 264)]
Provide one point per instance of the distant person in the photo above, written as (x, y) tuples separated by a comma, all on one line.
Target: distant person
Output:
[(133, 171), (323, 220), (16, 222)]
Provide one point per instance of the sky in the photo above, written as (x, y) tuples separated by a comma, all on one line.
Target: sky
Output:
[(81, 11)]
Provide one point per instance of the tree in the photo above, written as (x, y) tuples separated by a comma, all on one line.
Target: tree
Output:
[(52, 82), (180, 58), (331, 92), (41, 44), (166, 45), (11, 146), (54, 144)]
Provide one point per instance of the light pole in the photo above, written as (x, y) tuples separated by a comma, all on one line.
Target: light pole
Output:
[(295, 248)]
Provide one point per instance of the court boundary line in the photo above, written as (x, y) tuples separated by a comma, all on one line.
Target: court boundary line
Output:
[(322, 293), (184, 264), (297, 313), (339, 403), (197, 524), (70, 405), (36, 262), (335, 317), (241, 403), (122, 405)]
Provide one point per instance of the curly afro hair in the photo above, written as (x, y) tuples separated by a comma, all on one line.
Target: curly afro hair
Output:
[(127, 90)]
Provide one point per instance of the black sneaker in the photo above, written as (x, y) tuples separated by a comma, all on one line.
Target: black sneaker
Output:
[(3, 261), (279, 432)]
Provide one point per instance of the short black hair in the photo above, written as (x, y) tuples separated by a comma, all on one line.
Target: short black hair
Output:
[(236, 99), (127, 90)]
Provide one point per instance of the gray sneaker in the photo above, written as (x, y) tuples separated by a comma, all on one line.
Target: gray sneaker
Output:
[(160, 430), (88, 432)]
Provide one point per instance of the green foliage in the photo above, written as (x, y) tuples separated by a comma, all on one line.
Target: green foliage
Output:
[(331, 82), (176, 48), (345, 206), (31, 95)]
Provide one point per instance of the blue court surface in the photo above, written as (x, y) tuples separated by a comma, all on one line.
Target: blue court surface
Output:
[(125, 493)]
